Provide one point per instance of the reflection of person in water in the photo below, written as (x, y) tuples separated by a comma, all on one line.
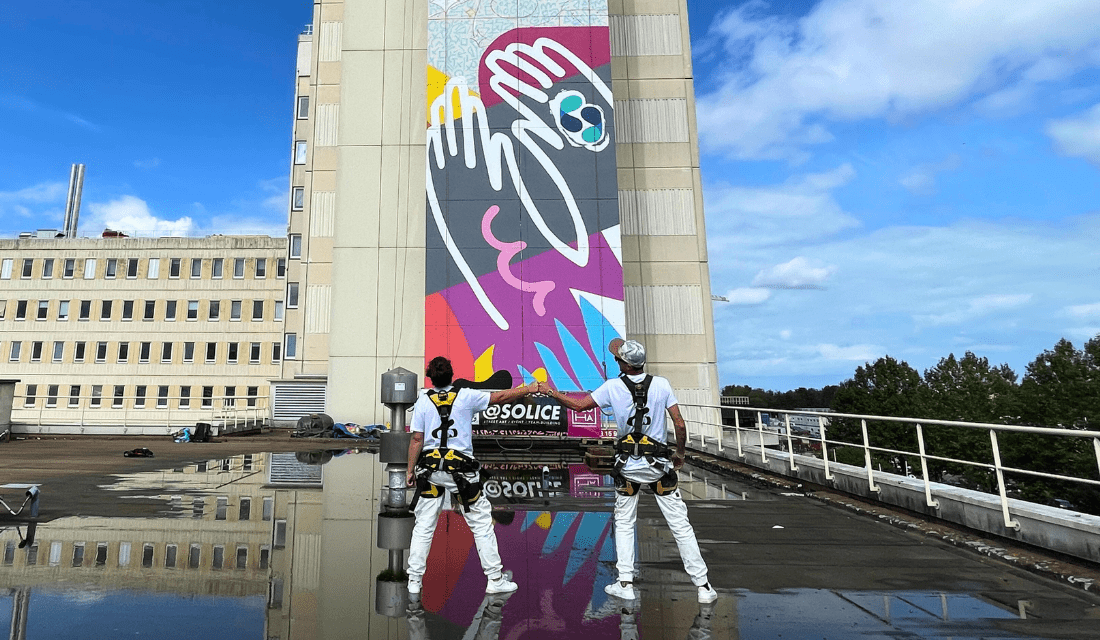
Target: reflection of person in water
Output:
[(485, 625), (628, 622)]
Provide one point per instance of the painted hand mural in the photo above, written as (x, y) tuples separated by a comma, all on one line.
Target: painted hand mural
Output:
[(524, 268)]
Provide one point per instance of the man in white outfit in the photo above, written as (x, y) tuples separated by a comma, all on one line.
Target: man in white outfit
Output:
[(441, 462), (639, 403)]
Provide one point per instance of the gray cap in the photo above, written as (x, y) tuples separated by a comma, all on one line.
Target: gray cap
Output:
[(629, 351)]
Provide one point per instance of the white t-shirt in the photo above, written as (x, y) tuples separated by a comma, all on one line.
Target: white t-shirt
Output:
[(426, 419), (614, 395)]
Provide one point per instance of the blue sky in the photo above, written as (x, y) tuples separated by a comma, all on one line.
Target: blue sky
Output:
[(911, 179)]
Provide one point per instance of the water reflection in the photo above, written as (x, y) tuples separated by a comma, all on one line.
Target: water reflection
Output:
[(287, 547)]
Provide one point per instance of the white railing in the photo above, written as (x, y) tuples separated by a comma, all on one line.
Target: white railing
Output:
[(138, 411), (756, 438)]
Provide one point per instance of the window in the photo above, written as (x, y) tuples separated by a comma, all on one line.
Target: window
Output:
[(219, 557), (280, 268), (69, 269), (257, 310), (123, 351), (261, 267), (36, 351), (105, 310), (252, 393), (127, 309), (170, 552), (211, 352), (291, 346), (215, 310), (43, 309), (58, 351), (139, 396), (166, 352), (78, 352), (78, 554), (268, 509), (154, 269), (162, 397), (51, 395), (47, 268), (279, 305), (170, 310), (120, 396), (298, 198), (303, 107), (85, 310), (300, 148), (101, 352), (295, 245), (150, 310), (174, 267), (292, 295), (235, 310), (276, 351), (234, 347), (97, 395), (145, 349), (207, 397), (62, 310), (112, 268), (89, 268), (74, 395), (28, 267), (3, 308), (254, 353), (194, 554), (216, 268), (21, 310), (196, 268), (188, 351), (29, 399), (238, 267), (231, 396), (5, 269), (245, 511), (185, 397), (220, 508), (132, 268), (192, 309)]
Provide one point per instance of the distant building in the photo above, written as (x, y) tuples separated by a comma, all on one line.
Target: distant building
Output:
[(802, 424)]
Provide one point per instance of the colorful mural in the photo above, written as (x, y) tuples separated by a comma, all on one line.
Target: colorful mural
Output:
[(524, 264)]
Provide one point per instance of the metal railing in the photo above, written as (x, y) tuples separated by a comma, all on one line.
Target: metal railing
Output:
[(86, 410), (756, 438)]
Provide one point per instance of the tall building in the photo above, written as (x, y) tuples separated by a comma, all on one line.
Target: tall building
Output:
[(511, 188)]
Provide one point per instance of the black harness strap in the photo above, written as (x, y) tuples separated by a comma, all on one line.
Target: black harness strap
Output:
[(443, 401), (445, 459), (639, 391), (637, 443)]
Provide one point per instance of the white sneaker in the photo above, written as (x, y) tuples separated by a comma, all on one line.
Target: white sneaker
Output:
[(707, 594), (624, 590), (414, 586), (501, 585)]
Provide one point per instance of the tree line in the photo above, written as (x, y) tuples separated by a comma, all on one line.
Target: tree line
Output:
[(1060, 388)]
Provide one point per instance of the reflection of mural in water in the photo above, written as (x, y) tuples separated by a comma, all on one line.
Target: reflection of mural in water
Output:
[(524, 258)]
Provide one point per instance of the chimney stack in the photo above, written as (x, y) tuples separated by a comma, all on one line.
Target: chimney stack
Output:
[(72, 205)]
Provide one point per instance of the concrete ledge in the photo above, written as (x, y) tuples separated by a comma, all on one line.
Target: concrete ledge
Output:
[(1068, 532), (92, 430)]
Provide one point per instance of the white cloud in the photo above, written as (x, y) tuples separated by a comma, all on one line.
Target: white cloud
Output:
[(1084, 310), (41, 205), (849, 60), (857, 352), (799, 273), (1078, 136), (921, 180), (149, 163), (978, 308), (131, 215), (747, 296)]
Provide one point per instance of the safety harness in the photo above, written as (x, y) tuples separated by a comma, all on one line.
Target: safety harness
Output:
[(638, 444), (446, 459)]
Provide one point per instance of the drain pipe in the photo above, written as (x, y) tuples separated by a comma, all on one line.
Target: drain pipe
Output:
[(395, 520)]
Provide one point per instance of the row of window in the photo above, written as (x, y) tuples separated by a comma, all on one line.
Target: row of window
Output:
[(149, 308), (139, 399), (288, 349), (170, 557), (130, 268)]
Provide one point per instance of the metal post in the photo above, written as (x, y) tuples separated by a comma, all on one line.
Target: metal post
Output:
[(1009, 522), (1096, 445), (737, 430), (935, 504), (760, 428), (867, 457), (824, 448), (790, 443)]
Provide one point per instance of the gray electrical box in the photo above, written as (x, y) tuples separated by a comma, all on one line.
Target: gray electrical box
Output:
[(399, 387)]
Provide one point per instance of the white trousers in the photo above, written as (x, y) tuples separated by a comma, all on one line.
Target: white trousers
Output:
[(676, 515), (479, 519)]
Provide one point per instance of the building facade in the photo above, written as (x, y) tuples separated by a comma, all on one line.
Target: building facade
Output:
[(132, 335)]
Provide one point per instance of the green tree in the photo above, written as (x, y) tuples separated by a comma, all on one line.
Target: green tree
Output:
[(886, 387)]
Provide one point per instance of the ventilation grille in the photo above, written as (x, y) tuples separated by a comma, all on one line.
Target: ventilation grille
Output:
[(285, 469), (292, 401)]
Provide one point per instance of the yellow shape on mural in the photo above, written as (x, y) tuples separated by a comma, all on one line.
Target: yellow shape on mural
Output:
[(483, 366), (544, 520), (540, 375), (437, 83)]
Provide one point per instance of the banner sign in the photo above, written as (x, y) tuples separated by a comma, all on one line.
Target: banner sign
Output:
[(520, 481), (537, 415)]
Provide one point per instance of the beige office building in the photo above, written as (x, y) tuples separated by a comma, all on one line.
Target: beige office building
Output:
[(509, 191)]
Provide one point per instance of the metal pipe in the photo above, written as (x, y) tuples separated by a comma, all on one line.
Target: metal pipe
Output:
[(824, 450), (935, 504), (790, 443), (1009, 522), (867, 457), (760, 428), (737, 426)]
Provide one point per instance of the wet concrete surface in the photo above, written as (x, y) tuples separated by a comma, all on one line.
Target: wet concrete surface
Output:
[(264, 546)]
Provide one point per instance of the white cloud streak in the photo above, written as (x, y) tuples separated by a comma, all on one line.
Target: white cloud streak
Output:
[(1078, 136)]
